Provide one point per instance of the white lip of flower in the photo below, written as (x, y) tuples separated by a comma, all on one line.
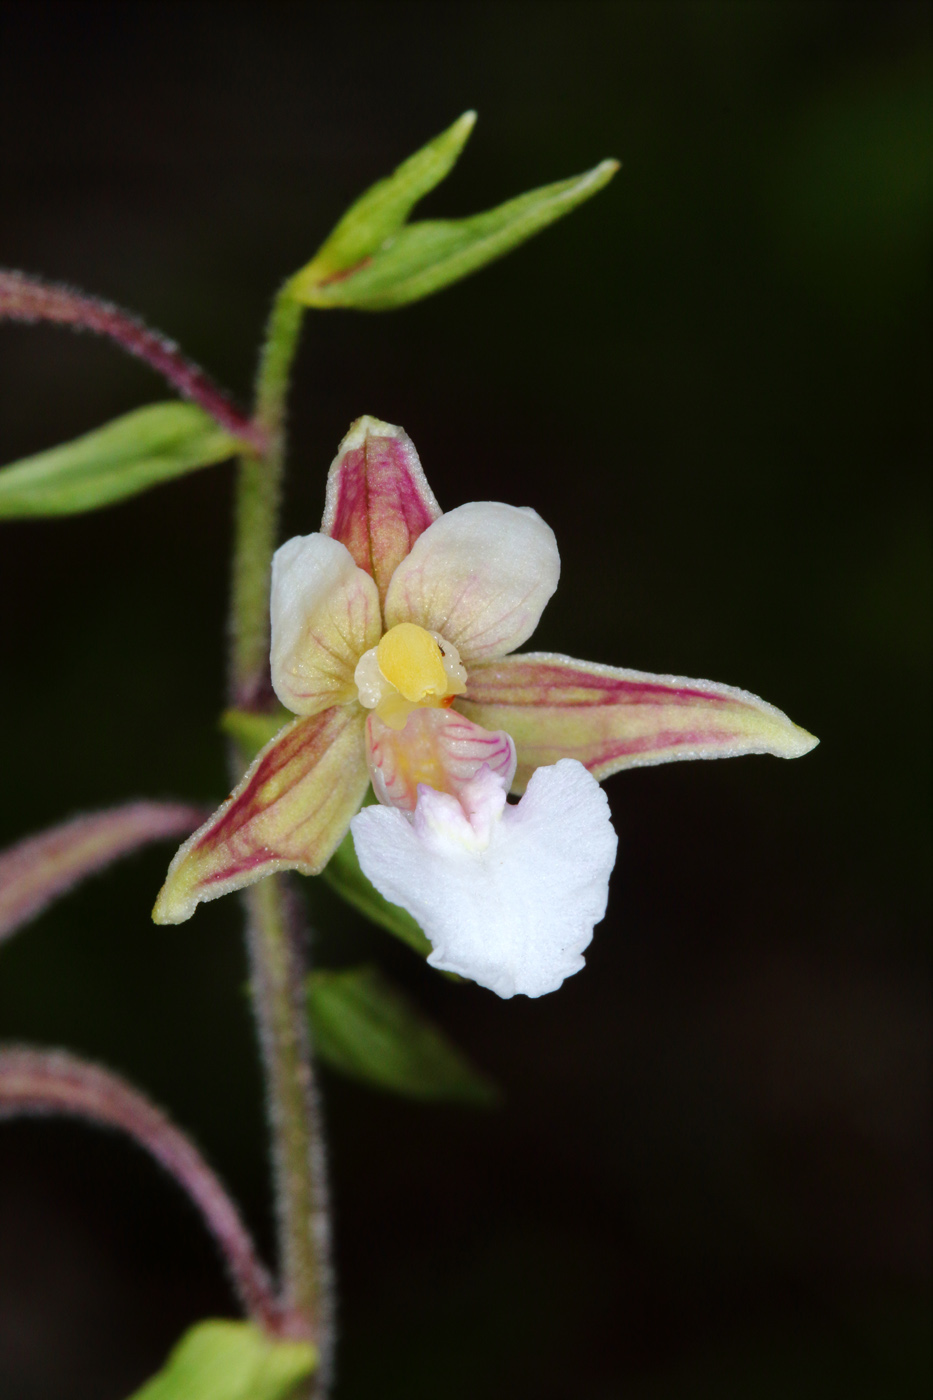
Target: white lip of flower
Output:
[(508, 895)]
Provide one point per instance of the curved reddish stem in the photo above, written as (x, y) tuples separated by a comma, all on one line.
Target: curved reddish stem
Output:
[(24, 298), (51, 1081), (43, 867)]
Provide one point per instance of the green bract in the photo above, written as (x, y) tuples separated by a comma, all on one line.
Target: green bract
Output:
[(342, 872), (253, 731), (369, 1031), (230, 1361), (374, 260), (136, 451), (383, 209)]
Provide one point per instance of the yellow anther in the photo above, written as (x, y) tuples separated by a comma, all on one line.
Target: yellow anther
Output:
[(411, 660)]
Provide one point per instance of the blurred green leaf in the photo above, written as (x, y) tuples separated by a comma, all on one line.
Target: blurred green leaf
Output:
[(253, 732), (343, 874), (230, 1361), (138, 450), (366, 1029), (373, 260)]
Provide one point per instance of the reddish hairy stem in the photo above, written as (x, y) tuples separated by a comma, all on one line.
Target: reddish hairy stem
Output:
[(51, 1081), (41, 868), (24, 298)]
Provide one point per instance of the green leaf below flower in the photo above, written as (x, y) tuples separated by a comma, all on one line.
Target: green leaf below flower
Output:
[(342, 872), (220, 1360), (366, 1029), (136, 451)]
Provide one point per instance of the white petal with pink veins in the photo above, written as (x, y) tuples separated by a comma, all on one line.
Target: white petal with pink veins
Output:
[(507, 895), (480, 576), (325, 614)]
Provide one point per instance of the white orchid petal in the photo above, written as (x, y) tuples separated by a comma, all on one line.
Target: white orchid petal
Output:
[(325, 614), (507, 895), (480, 576)]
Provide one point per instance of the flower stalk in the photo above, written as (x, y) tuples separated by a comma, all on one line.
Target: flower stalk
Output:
[(274, 940), (274, 928), (258, 498)]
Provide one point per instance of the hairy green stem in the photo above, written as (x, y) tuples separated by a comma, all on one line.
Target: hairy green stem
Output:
[(274, 933), (275, 940), (258, 497)]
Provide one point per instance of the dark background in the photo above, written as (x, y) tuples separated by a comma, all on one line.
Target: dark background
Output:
[(708, 1178)]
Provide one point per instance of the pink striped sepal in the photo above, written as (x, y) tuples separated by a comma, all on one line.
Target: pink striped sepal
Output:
[(290, 811), (555, 707), (378, 500)]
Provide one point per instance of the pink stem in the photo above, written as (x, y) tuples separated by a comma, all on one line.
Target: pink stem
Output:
[(51, 1081), (25, 298), (41, 868)]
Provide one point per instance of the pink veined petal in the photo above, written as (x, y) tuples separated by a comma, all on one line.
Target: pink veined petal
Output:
[(378, 499), (325, 614), (480, 576), (290, 811), (555, 707), (43, 867), (437, 747)]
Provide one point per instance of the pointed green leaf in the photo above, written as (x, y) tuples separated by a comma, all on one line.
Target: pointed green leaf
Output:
[(342, 872), (374, 260), (383, 209), (366, 1029), (138, 450), (230, 1361)]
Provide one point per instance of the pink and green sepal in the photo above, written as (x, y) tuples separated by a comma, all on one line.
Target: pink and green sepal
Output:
[(290, 811), (555, 707)]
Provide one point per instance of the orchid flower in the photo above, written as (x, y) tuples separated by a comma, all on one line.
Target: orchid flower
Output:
[(393, 633)]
